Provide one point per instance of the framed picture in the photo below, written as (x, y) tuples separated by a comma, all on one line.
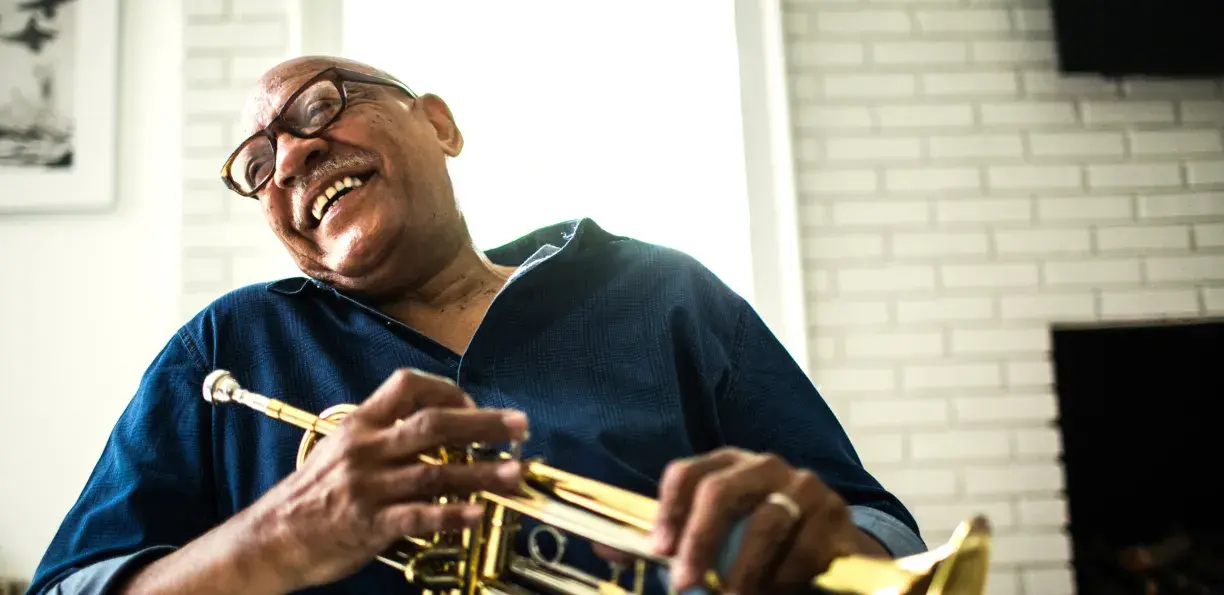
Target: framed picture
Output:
[(58, 105)]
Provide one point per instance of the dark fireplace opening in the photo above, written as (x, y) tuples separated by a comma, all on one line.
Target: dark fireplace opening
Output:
[(1140, 410)]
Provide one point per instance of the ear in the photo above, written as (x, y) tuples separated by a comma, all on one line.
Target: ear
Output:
[(443, 121)]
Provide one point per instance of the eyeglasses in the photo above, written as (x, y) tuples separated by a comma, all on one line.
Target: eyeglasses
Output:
[(306, 114)]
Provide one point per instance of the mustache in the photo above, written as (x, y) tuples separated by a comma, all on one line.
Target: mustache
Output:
[(335, 164)]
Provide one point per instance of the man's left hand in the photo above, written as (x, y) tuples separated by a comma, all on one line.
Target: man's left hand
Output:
[(796, 526)]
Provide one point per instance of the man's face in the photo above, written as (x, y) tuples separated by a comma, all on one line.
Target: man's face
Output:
[(398, 220)]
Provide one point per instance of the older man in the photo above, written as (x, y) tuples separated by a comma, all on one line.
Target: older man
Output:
[(631, 362)]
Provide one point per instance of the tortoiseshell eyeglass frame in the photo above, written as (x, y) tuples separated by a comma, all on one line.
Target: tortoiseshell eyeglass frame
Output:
[(335, 75)]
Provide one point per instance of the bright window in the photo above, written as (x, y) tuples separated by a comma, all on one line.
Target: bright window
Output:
[(626, 112)]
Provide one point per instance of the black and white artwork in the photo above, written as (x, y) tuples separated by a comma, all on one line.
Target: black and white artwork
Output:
[(57, 116), (36, 55)]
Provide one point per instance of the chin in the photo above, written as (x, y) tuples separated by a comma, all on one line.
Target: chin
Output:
[(355, 256)]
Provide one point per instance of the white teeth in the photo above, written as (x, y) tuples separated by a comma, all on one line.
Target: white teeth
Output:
[(330, 192), (317, 209)]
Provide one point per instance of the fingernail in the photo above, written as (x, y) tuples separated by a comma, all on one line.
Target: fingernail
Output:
[(470, 403), (516, 421), (512, 471)]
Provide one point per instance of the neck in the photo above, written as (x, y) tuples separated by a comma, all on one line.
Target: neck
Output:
[(463, 286)]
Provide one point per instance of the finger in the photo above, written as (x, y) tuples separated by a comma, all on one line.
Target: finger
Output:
[(418, 519), (827, 533), (676, 490), (407, 390), (722, 498), (814, 548), (608, 554), (425, 481), (433, 427), (770, 528)]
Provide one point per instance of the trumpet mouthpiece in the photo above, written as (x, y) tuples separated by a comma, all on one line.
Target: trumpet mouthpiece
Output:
[(219, 387)]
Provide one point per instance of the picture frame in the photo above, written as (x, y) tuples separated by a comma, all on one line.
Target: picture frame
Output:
[(59, 84)]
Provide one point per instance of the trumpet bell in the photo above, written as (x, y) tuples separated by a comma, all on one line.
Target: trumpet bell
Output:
[(958, 567), (966, 566)]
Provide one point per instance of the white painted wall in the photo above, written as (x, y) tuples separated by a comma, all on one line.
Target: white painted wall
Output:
[(958, 196), (570, 111), (89, 300)]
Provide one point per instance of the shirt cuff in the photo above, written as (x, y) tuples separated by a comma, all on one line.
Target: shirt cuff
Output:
[(894, 535), (101, 578)]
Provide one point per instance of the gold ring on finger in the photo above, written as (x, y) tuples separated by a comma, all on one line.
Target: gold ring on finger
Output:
[(786, 503)]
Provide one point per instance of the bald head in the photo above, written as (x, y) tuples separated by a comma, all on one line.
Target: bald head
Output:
[(308, 65), (363, 199), (272, 84)]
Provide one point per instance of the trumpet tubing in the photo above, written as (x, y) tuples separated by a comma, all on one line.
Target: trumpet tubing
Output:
[(481, 560)]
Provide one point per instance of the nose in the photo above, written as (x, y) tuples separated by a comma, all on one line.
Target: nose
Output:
[(295, 157)]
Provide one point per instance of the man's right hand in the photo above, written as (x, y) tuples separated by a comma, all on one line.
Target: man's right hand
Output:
[(360, 489), (363, 487)]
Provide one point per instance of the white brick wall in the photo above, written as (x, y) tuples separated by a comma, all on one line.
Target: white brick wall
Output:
[(229, 43), (957, 196)]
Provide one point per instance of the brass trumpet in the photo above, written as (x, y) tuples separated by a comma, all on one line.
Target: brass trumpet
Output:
[(481, 560)]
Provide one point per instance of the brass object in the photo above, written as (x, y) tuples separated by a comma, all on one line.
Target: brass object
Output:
[(480, 560)]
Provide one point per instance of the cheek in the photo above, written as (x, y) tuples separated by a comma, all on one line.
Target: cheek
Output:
[(375, 126), (279, 216), (379, 120), (392, 133), (277, 213)]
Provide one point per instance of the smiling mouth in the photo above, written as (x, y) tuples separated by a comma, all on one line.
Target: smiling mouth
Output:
[(329, 197)]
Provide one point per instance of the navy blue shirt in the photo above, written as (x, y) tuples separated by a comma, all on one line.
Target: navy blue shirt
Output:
[(624, 355)]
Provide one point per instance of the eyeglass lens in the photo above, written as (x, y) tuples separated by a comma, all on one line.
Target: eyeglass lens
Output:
[(310, 111)]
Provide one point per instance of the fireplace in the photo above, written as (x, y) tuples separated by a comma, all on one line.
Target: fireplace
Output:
[(1140, 410)]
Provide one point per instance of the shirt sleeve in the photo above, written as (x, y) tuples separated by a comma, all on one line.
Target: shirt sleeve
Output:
[(151, 490), (768, 404)]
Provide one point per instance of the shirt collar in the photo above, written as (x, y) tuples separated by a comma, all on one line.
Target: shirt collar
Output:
[(571, 236)]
